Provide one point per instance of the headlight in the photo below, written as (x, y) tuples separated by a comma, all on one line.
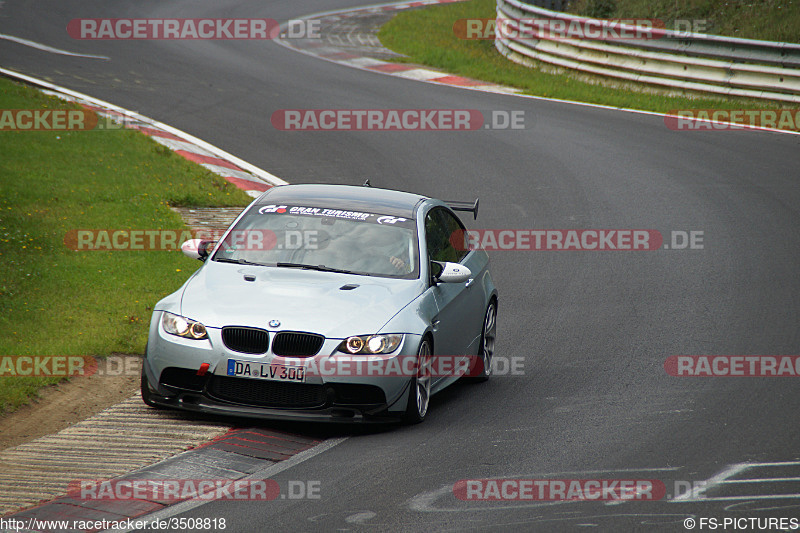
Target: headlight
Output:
[(183, 327), (371, 344)]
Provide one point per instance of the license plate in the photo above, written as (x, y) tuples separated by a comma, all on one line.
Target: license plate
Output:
[(272, 372)]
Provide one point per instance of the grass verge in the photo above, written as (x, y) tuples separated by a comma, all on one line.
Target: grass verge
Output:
[(426, 36), (768, 20), (57, 301)]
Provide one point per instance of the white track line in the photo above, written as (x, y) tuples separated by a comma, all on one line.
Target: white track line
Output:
[(696, 494), (46, 48)]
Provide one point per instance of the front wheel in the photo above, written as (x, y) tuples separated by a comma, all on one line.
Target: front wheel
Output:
[(419, 395)]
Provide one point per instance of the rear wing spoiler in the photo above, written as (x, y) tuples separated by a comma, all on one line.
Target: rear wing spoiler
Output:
[(465, 206)]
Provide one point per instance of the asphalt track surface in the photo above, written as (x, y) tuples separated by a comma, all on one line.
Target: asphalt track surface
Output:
[(593, 328)]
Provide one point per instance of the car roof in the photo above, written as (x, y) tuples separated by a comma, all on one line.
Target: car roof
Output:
[(350, 197)]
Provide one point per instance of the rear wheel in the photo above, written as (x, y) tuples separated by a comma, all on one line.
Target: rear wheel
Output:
[(420, 394), (488, 336)]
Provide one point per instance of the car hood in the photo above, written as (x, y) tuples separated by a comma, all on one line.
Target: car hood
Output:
[(302, 300)]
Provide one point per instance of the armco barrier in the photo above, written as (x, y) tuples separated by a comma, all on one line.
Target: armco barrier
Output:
[(691, 61)]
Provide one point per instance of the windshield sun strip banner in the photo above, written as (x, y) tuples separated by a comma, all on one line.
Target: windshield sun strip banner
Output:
[(338, 214)]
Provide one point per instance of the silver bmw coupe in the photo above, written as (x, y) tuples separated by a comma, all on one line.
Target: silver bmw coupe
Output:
[(326, 303)]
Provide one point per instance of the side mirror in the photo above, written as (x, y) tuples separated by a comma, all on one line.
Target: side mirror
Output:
[(197, 248), (449, 272)]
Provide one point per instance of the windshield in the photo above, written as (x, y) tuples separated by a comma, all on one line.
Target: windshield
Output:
[(325, 239)]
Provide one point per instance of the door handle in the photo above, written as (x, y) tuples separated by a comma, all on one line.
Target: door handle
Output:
[(470, 281)]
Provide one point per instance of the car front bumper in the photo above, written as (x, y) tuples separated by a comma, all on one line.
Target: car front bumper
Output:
[(171, 367)]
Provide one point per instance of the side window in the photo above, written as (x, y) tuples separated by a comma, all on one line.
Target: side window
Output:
[(456, 235), (442, 230)]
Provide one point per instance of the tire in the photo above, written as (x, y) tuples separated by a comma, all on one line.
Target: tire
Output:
[(419, 394), (488, 336), (145, 389)]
